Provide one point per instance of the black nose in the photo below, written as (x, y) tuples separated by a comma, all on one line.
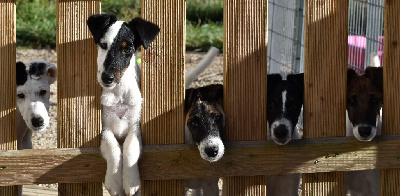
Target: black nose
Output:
[(37, 121), (211, 151), (107, 79), (281, 132), (364, 131)]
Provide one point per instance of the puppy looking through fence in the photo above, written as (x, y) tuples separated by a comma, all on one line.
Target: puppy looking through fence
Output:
[(119, 76), (364, 120), (33, 95), (284, 102)]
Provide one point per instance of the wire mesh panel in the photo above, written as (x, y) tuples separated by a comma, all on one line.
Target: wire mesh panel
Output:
[(365, 32), (284, 32)]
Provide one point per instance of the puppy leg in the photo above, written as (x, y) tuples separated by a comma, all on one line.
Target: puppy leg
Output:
[(287, 184), (111, 151), (131, 154), (210, 187)]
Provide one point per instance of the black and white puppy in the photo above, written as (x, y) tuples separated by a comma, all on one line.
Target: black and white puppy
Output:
[(119, 76), (33, 95), (284, 102), (364, 121), (204, 126)]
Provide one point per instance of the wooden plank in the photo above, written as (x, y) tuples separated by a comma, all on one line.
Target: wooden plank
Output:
[(163, 85), (390, 179), (8, 133), (246, 158), (245, 69), (78, 94), (325, 83)]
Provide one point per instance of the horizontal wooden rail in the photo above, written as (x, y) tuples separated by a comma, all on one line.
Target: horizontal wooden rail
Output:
[(163, 162)]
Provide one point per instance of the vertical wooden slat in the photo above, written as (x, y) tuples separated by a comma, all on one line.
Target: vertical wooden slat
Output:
[(163, 85), (8, 133), (390, 178), (78, 93), (325, 83), (245, 74)]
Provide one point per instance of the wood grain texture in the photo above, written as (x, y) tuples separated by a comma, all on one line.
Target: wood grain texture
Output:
[(325, 83), (390, 179), (245, 158), (8, 133), (163, 67), (78, 93), (245, 75)]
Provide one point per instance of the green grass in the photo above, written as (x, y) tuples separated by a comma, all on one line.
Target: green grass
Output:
[(201, 37), (36, 22)]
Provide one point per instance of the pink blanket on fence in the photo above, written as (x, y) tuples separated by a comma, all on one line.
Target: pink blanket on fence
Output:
[(356, 50)]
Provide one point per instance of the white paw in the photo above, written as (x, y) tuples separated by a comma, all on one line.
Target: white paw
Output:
[(113, 183), (131, 184)]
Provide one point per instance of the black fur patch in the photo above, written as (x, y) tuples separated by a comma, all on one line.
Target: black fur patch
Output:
[(99, 23), (294, 86), (37, 69), (22, 76)]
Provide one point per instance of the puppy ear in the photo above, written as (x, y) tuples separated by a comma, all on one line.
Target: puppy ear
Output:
[(51, 73), (189, 96), (22, 76), (297, 80), (39, 68), (99, 23), (272, 80), (351, 75), (375, 74), (144, 31)]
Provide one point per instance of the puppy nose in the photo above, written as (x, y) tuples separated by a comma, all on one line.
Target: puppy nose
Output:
[(37, 121), (364, 131), (211, 151), (107, 79), (281, 132)]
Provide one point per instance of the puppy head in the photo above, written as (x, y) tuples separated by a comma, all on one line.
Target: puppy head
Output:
[(117, 42), (284, 102), (364, 101), (205, 119), (33, 92)]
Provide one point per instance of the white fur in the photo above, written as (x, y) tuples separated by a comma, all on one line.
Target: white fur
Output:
[(211, 142), (33, 105), (275, 124), (122, 105), (283, 101)]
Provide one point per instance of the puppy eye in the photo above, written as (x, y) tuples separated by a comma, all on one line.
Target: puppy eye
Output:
[(352, 102), (193, 123), (42, 92), (375, 100), (127, 50), (21, 95), (103, 46)]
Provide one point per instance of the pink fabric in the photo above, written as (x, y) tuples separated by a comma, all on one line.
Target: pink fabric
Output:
[(356, 50)]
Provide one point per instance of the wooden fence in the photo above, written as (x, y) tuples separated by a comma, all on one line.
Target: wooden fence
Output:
[(322, 155)]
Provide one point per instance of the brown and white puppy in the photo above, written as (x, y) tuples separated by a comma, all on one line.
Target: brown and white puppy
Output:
[(363, 120), (204, 126)]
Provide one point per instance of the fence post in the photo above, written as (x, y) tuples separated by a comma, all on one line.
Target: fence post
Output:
[(390, 178), (8, 133), (325, 83), (245, 90), (163, 66), (78, 93)]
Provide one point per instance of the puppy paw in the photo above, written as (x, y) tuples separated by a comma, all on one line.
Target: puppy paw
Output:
[(113, 183), (131, 184)]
